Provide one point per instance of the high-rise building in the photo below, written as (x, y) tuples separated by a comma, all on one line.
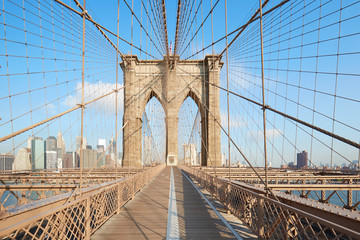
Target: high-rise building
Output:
[(68, 161), (112, 149), (78, 142), (30, 138), (71, 160), (108, 161), (190, 154), (100, 156), (23, 159), (51, 159), (60, 157), (89, 158), (102, 142), (302, 160), (223, 159), (6, 161), (51, 153), (38, 147), (51, 143), (60, 145)]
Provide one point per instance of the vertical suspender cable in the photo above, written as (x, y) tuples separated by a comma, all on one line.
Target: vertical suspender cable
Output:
[(116, 87), (82, 99), (263, 95), (132, 24), (228, 100)]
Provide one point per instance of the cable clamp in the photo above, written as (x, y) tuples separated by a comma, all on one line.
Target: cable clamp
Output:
[(81, 105), (265, 107)]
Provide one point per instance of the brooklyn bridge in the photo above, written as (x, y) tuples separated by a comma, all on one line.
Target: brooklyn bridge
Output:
[(186, 119)]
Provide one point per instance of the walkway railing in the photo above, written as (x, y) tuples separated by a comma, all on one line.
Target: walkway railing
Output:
[(78, 218), (269, 218)]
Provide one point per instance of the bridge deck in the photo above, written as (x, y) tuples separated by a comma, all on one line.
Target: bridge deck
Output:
[(146, 216)]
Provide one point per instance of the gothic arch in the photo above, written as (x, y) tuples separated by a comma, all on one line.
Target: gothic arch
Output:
[(171, 86), (144, 101)]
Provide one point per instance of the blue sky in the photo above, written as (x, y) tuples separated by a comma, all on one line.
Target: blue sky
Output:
[(62, 89)]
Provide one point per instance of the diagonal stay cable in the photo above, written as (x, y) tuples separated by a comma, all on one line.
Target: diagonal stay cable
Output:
[(201, 25), (233, 142), (137, 19), (330, 134), (238, 29), (107, 30)]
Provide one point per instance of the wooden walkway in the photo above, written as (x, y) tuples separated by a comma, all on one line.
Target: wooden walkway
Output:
[(147, 216)]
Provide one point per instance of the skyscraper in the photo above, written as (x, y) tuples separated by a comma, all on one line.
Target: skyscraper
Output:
[(60, 145), (190, 154), (100, 153), (89, 158), (6, 161), (78, 142), (38, 147), (223, 159), (51, 143), (112, 150), (102, 142), (51, 153), (30, 138), (51, 159), (302, 159)]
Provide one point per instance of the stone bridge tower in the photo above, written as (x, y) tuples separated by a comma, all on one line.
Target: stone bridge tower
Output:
[(144, 79)]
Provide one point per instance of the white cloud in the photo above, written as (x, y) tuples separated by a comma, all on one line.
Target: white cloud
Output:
[(95, 90), (270, 133), (233, 122), (51, 108)]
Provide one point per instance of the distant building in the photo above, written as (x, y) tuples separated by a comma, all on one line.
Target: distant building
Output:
[(71, 160), (112, 149), (6, 161), (102, 142), (30, 138), (89, 158), (51, 159), (88, 147), (38, 147), (51, 153), (61, 151), (51, 143), (60, 156), (223, 159), (190, 154), (68, 161), (302, 160), (108, 161), (100, 156), (78, 142), (198, 158), (22, 159)]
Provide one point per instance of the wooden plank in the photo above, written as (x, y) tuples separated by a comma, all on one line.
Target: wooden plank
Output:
[(145, 217)]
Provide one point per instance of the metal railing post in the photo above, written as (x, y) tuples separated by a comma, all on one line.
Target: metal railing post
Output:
[(87, 219), (260, 218)]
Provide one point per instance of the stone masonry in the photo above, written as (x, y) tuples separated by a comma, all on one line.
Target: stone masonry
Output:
[(171, 85)]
